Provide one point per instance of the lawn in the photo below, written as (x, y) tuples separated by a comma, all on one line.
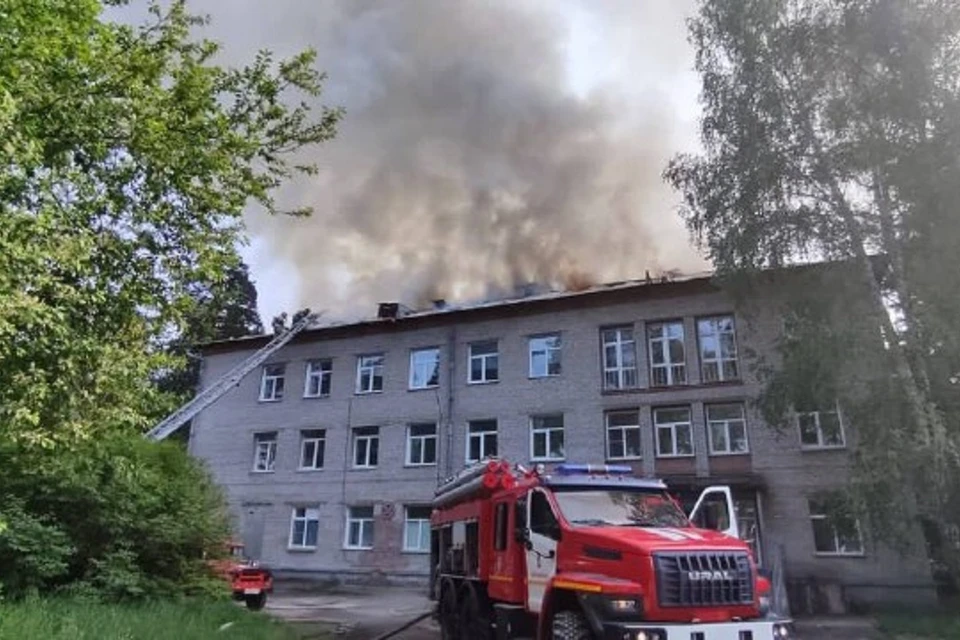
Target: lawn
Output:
[(935, 626), (72, 620)]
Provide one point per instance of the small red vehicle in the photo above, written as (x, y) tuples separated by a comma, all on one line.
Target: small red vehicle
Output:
[(249, 581), (590, 552)]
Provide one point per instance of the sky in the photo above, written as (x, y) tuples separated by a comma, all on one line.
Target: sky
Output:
[(486, 143)]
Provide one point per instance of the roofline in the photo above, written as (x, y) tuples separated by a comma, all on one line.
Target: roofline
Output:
[(623, 291)]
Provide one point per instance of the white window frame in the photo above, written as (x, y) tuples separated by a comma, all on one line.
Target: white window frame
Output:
[(719, 360), (549, 433), (316, 440), (415, 366), (675, 373), (820, 446), (369, 439), (484, 359), (657, 426), (363, 522), (306, 519), (320, 369), (482, 437), (619, 370), (421, 523), (837, 553), (374, 367), (265, 440), (714, 451), (423, 441), (623, 429), (276, 382), (539, 344)]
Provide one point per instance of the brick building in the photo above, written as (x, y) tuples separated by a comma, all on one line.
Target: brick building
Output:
[(331, 453)]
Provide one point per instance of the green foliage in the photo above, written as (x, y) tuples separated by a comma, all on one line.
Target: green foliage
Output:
[(830, 132), (127, 159), (72, 619)]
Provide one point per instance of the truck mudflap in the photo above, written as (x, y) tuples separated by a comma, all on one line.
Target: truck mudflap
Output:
[(753, 630)]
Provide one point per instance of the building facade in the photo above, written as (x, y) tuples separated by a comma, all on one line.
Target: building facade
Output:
[(331, 453)]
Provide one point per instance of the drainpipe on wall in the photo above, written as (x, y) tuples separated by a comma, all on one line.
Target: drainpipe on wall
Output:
[(451, 377)]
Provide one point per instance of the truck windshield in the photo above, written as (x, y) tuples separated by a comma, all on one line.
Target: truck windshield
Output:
[(616, 507)]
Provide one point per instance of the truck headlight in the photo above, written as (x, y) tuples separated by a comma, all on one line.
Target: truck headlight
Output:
[(783, 631), (625, 605), (652, 634)]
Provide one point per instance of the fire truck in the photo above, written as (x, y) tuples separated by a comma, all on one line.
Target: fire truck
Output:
[(590, 552)]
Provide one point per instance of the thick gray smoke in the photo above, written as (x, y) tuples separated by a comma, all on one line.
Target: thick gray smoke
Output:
[(467, 163)]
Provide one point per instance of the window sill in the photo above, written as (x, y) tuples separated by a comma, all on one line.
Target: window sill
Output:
[(417, 552), (269, 400), (432, 387), (728, 454), (419, 465), (839, 447), (482, 382), (367, 393), (630, 459), (679, 456), (326, 397), (551, 376), (547, 460), (358, 548), (369, 468), (833, 554), (301, 549), (673, 388), (309, 469), (262, 472)]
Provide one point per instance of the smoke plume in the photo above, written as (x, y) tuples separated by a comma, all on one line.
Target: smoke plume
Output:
[(468, 162)]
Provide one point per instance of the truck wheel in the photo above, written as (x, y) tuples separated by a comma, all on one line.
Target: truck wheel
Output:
[(256, 602), (475, 615), (570, 625), (449, 620)]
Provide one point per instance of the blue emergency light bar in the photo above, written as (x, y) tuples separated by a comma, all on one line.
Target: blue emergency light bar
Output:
[(605, 469)]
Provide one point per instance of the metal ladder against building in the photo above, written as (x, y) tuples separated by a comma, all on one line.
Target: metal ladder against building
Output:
[(213, 393)]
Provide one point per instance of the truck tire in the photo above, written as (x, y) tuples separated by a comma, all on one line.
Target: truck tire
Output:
[(448, 612), (475, 615), (256, 602), (570, 625)]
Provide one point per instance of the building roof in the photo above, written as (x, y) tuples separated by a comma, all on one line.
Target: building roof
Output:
[(394, 316)]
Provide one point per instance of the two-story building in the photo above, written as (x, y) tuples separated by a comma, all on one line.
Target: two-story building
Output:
[(331, 453)]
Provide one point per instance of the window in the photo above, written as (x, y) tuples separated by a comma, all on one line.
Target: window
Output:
[(484, 362), (546, 437), (500, 526), (674, 432), (821, 429), (542, 518), (304, 527), (667, 354), (424, 368), (416, 530), (317, 383), (481, 439), (271, 383), (619, 358), (312, 446), (545, 356), (264, 451), (718, 349), (834, 532), (366, 445), (370, 373), (422, 444), (359, 528), (623, 435), (727, 428)]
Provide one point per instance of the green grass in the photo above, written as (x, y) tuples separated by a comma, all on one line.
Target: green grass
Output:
[(941, 626), (73, 620)]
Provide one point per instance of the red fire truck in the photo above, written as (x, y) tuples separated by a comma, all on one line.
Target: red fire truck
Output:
[(590, 552)]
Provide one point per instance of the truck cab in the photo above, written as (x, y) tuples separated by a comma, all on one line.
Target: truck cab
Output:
[(590, 552)]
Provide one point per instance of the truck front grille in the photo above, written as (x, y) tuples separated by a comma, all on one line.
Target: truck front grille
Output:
[(703, 579)]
